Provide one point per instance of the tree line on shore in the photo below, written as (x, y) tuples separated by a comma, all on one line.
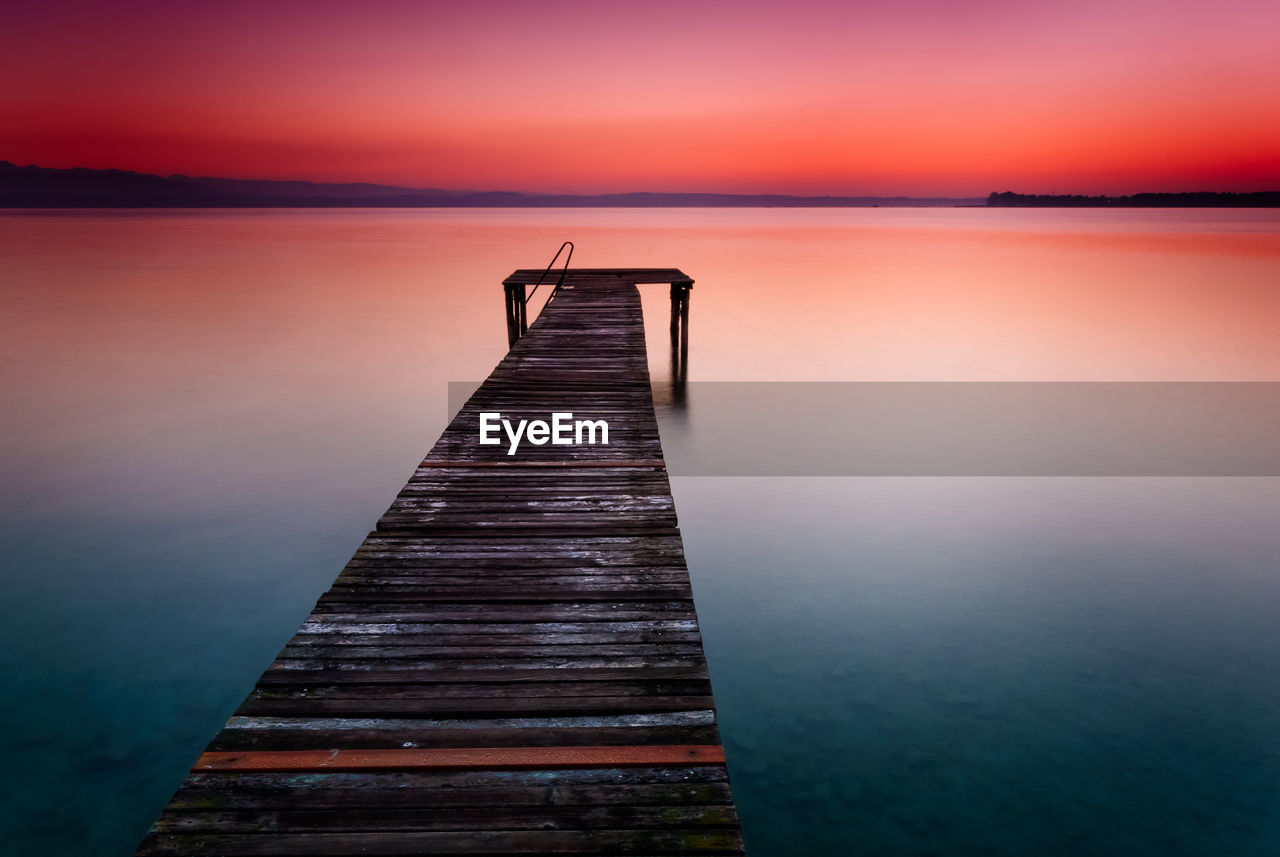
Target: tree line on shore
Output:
[(1197, 199)]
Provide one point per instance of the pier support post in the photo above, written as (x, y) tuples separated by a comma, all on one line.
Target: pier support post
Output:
[(517, 311), (522, 302), (680, 333), (509, 300)]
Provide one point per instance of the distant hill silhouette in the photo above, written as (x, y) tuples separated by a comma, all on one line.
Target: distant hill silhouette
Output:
[(39, 187), (1201, 199)]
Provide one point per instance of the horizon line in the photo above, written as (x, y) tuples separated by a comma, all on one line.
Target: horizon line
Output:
[(464, 193)]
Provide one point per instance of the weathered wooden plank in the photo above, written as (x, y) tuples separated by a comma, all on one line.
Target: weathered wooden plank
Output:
[(639, 842), (299, 734), (577, 612), (448, 638), (487, 758), (485, 691), (393, 572), (460, 592), (472, 780), (410, 669), (415, 819), (441, 675), (319, 624), (433, 788), (311, 706), (313, 651), (418, 800)]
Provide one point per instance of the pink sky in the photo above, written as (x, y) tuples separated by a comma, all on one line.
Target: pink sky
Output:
[(917, 97)]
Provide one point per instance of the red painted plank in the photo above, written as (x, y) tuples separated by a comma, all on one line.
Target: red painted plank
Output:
[(479, 758)]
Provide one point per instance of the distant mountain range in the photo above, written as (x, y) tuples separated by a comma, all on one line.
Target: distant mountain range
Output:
[(40, 187)]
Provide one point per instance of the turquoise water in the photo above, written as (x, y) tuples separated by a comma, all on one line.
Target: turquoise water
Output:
[(995, 666), (206, 411)]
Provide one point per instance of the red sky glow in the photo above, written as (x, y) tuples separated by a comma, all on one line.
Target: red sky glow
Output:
[(916, 97)]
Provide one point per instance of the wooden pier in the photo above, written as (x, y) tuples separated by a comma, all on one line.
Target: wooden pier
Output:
[(511, 662)]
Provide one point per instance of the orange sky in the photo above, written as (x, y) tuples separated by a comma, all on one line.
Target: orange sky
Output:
[(916, 97)]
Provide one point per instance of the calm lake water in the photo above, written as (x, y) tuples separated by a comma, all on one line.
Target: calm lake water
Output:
[(205, 412)]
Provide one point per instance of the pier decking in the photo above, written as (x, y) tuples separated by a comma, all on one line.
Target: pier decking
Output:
[(511, 662)]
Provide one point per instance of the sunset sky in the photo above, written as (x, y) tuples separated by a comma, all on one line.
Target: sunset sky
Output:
[(917, 97)]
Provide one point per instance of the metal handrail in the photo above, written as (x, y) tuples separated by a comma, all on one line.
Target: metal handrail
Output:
[(551, 265)]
